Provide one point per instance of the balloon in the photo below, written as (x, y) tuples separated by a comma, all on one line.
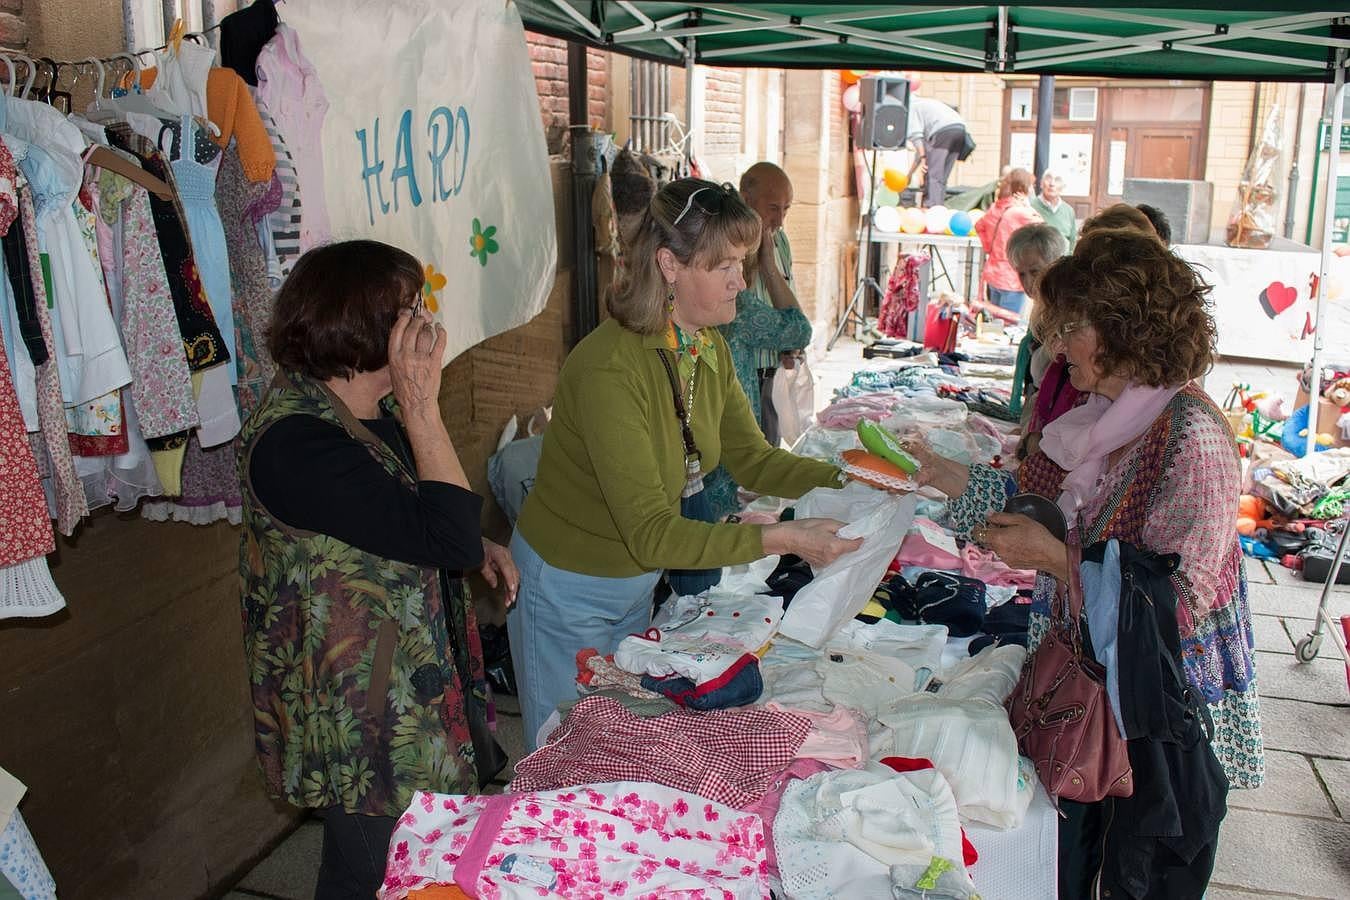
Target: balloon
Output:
[(852, 103), (960, 224), (936, 219), (895, 179), (849, 76), (975, 216), (912, 221), (915, 82), (887, 197), (886, 218)]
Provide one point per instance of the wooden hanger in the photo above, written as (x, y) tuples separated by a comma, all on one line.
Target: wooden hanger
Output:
[(104, 158)]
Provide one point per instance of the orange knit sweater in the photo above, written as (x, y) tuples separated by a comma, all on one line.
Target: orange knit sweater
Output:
[(230, 105)]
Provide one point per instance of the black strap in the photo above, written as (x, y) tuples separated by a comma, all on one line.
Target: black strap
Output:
[(690, 448)]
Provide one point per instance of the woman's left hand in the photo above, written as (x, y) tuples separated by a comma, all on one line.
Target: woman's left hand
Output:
[(500, 568), (1023, 543)]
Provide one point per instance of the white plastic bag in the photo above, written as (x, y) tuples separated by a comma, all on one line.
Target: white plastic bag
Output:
[(794, 398), (840, 590)]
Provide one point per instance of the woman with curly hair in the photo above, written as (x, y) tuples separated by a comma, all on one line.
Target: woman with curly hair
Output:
[(1147, 475)]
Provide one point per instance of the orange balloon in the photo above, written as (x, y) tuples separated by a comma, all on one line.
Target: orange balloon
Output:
[(895, 179), (913, 221), (849, 76)]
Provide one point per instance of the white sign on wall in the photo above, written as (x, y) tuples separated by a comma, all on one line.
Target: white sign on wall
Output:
[(433, 142)]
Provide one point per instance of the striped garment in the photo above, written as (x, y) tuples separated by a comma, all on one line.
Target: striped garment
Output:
[(284, 222)]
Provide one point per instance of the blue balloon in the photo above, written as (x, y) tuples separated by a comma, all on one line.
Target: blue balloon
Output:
[(960, 224)]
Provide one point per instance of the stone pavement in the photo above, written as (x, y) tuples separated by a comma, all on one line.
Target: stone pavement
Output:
[(1291, 837)]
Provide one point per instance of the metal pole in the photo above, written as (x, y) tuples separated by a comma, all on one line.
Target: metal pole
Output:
[(690, 113), (585, 171), (1045, 118), (1001, 63), (1329, 217)]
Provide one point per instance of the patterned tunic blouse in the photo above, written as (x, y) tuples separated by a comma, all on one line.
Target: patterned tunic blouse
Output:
[(1176, 492)]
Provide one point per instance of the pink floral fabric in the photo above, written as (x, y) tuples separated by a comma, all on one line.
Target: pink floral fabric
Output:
[(618, 839), (25, 528), (71, 504), (161, 390), (9, 198)]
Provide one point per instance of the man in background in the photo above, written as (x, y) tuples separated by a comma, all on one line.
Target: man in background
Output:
[(1056, 213), (939, 137), (770, 328)]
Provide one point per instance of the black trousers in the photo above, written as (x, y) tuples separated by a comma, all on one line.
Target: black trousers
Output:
[(354, 851), (943, 148)]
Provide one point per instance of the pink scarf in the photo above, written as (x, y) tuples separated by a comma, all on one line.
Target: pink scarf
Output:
[(1081, 440)]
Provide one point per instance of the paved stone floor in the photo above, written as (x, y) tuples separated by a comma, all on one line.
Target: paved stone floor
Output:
[(1290, 838)]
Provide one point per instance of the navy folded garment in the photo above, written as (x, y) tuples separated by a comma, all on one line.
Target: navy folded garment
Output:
[(737, 686), (1004, 624), (940, 598)]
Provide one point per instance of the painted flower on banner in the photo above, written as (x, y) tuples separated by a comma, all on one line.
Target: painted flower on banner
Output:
[(481, 243), (433, 284)]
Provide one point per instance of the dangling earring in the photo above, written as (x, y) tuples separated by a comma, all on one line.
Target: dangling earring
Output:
[(670, 300)]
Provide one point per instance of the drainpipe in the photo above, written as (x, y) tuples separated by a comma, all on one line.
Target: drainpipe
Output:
[(1293, 166), (690, 52)]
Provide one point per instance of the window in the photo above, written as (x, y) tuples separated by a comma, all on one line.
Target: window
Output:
[(1082, 104), (148, 21), (1076, 104), (649, 97), (1022, 104), (1163, 104)]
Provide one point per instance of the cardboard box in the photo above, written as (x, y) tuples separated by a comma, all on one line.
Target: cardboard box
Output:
[(1328, 414)]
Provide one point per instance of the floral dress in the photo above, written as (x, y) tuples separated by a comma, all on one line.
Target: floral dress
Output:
[(620, 839)]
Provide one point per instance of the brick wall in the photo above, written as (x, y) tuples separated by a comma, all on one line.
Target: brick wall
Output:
[(13, 29), (549, 56), (723, 111)]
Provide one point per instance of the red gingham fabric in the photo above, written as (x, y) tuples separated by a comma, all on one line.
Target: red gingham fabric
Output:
[(727, 755)]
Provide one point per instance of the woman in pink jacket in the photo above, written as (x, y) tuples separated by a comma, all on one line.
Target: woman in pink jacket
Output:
[(1010, 212)]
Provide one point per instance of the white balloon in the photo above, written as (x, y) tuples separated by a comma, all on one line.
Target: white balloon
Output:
[(886, 218)]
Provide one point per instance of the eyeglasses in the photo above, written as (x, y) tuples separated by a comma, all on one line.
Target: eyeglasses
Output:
[(1063, 331), (710, 208)]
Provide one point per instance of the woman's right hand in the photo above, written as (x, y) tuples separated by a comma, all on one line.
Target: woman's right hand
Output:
[(935, 470), (814, 540), (416, 345)]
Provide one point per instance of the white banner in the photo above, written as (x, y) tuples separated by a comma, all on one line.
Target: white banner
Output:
[(433, 142), (1263, 300)]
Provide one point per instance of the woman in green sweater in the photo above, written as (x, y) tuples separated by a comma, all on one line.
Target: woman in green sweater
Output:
[(603, 519)]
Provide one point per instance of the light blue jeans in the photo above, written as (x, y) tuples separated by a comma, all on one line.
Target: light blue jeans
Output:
[(559, 613)]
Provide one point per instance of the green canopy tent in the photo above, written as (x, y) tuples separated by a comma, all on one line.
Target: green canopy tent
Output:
[(1246, 40), (1249, 40)]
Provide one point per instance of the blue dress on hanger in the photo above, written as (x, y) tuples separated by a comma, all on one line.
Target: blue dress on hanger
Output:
[(197, 193)]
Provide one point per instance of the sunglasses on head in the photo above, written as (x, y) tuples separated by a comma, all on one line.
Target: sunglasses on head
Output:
[(710, 205)]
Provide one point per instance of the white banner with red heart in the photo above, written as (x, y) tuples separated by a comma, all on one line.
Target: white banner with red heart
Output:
[(1263, 300)]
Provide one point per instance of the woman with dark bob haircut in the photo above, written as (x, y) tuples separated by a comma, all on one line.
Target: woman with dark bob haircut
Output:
[(1146, 473), (361, 640)]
